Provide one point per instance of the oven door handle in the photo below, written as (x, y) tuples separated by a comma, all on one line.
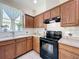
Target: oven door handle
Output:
[(47, 41)]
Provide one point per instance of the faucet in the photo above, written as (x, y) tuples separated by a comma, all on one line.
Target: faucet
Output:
[(13, 33)]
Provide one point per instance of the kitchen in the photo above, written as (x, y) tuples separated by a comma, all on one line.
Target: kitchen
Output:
[(37, 29)]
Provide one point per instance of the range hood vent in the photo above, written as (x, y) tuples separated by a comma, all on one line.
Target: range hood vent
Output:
[(55, 19)]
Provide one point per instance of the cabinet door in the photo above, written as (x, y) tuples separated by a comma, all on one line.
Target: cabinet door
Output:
[(28, 21), (47, 15), (31, 25), (24, 46), (38, 21), (20, 48), (36, 44), (63, 54), (68, 14), (77, 9), (76, 57), (29, 43), (10, 51), (2, 53), (55, 12)]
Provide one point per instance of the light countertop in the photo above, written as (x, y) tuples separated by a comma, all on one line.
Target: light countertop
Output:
[(74, 41), (15, 37)]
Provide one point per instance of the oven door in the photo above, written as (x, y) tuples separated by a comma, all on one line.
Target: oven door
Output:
[(48, 50)]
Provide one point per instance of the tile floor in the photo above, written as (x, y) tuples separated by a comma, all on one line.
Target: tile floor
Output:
[(30, 55)]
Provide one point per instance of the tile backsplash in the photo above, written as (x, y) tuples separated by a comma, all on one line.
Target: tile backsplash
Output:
[(66, 30), (29, 31), (39, 31)]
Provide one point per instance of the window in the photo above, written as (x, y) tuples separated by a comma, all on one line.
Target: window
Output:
[(18, 23), (6, 21), (11, 19)]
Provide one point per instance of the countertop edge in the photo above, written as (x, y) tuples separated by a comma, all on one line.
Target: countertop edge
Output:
[(70, 42)]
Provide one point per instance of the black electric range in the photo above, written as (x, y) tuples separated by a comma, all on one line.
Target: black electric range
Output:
[(49, 45)]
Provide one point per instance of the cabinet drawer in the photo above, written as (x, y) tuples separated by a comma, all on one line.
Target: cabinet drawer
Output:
[(7, 42), (20, 39), (9, 51), (29, 44), (20, 48), (29, 37)]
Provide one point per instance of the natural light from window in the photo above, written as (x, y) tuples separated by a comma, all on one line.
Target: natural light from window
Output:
[(11, 19)]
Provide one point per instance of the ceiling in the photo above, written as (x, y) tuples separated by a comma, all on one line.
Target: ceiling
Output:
[(28, 7)]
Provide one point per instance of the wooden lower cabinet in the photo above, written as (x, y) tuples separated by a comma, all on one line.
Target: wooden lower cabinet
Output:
[(29, 44), (10, 51), (67, 52), (2, 52), (20, 48), (36, 44), (14, 48), (23, 45), (7, 50)]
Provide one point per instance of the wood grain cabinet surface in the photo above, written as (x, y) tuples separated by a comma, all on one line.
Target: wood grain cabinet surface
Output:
[(47, 15), (29, 21), (69, 13), (38, 21), (77, 9), (36, 44), (7, 49), (2, 53), (29, 43), (68, 52), (14, 48), (20, 47), (10, 51), (55, 12), (65, 54)]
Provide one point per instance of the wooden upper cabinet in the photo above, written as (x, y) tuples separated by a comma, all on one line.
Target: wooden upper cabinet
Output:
[(55, 12), (36, 25), (28, 21), (69, 14), (38, 21), (77, 9), (76, 56), (47, 15)]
